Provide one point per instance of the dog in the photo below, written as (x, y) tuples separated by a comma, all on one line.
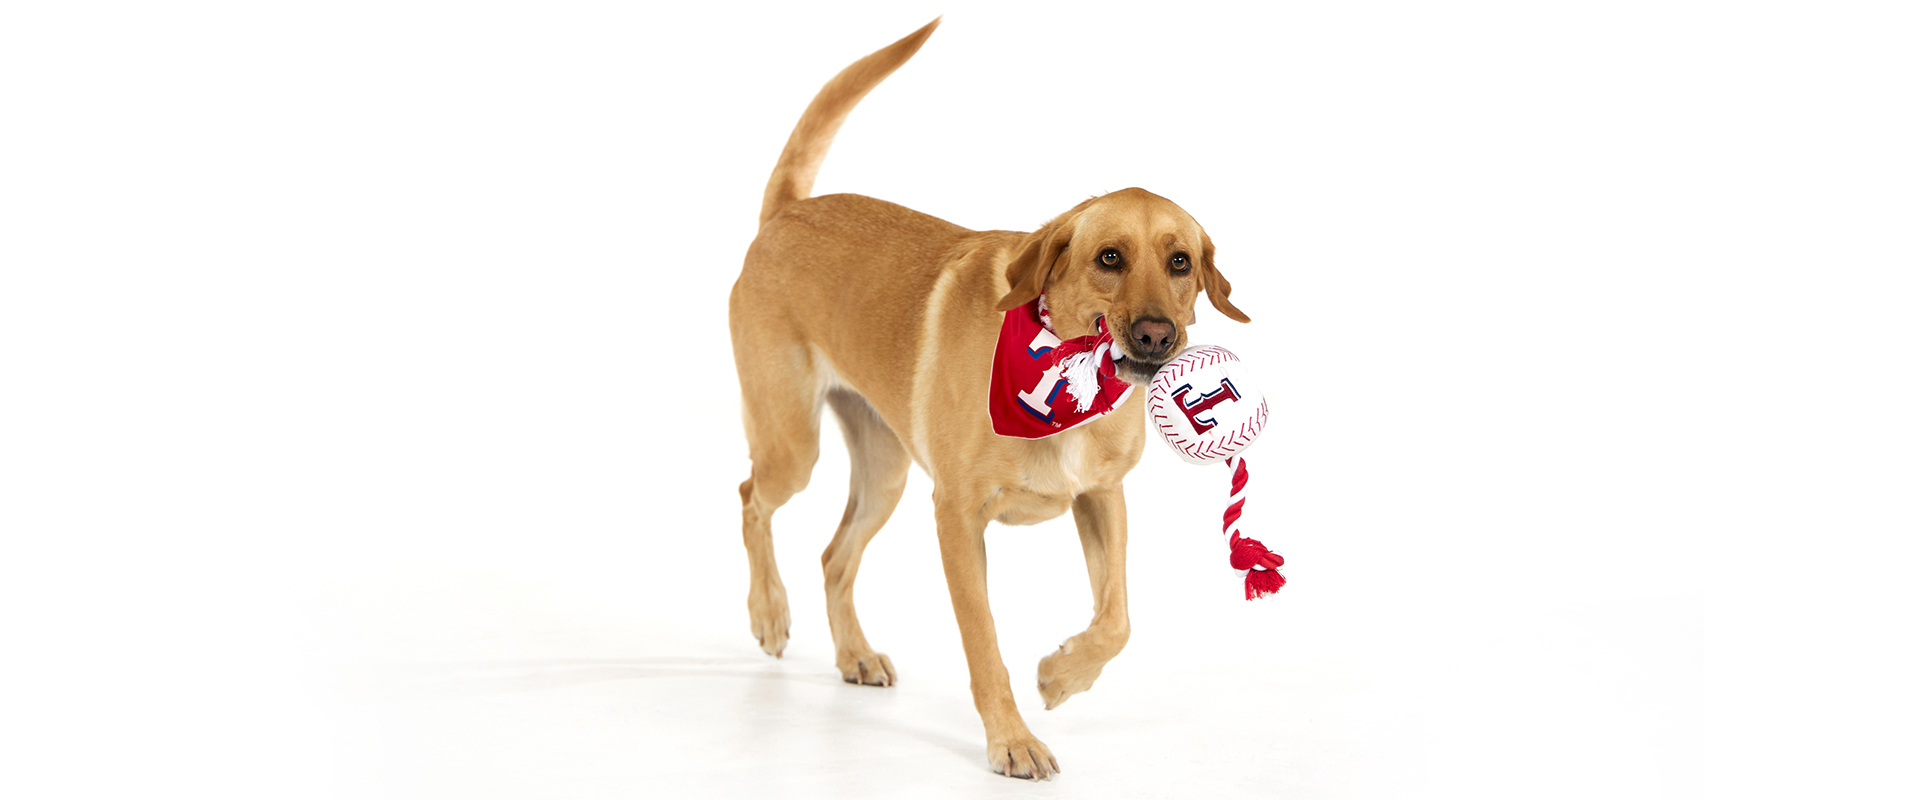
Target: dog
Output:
[(890, 317)]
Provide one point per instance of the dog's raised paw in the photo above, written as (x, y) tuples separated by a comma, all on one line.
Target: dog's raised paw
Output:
[(1023, 757), (868, 668), (1066, 673)]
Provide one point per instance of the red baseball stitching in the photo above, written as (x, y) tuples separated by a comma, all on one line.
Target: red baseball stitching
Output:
[(1203, 357)]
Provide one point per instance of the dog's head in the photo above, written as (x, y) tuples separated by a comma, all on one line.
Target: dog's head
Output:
[(1132, 257)]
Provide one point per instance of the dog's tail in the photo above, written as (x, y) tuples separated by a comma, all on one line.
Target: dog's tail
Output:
[(807, 147)]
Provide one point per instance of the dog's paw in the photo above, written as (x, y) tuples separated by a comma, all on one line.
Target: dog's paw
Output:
[(767, 610), (1022, 757), (1067, 672), (867, 668)]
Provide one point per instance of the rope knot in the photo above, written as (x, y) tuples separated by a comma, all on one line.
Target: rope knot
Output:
[(1249, 554)]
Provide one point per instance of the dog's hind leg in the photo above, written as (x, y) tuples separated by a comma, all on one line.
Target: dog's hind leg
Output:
[(780, 404), (880, 465)]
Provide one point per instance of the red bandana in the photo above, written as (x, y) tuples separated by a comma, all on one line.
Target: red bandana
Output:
[(1041, 385)]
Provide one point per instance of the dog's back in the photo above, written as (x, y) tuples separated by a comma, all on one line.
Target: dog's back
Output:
[(875, 262)]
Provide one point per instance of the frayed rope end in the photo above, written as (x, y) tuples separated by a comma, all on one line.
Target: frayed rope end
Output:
[(1261, 582), (1082, 371)]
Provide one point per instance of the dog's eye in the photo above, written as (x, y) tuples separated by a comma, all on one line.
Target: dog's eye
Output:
[(1179, 264), (1110, 257)]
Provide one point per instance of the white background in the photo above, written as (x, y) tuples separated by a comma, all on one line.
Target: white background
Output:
[(369, 427)]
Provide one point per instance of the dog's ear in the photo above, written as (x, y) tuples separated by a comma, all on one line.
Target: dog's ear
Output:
[(1215, 284), (1038, 263)]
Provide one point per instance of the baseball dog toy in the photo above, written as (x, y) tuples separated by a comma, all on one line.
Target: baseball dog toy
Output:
[(1208, 411), (1202, 402)]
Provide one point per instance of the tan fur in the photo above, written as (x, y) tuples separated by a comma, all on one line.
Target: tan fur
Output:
[(889, 317)]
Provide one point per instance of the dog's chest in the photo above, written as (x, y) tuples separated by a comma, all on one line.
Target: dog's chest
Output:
[(1049, 473), (1060, 465)]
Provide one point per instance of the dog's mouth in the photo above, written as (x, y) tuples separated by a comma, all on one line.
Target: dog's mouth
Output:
[(1135, 371), (1132, 367)]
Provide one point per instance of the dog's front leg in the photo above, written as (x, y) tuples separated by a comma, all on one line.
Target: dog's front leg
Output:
[(1101, 516), (1012, 750)]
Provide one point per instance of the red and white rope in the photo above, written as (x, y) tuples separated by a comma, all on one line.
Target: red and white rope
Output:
[(1258, 565)]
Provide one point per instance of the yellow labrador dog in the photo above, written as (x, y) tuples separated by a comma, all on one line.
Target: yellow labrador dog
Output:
[(890, 317)]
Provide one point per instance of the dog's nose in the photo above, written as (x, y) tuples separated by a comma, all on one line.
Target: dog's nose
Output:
[(1155, 338)]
